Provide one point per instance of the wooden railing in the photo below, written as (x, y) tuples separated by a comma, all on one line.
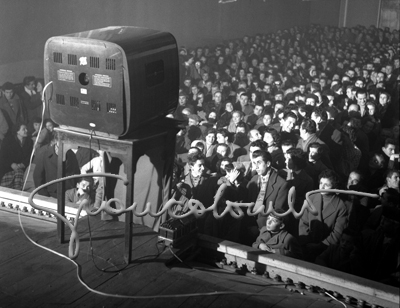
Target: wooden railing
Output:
[(12, 200), (307, 276)]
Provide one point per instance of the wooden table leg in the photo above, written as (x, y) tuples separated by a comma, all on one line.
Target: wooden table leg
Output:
[(60, 193)]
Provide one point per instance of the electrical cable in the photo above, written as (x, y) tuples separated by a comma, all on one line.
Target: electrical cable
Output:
[(173, 253), (336, 299), (40, 130), (80, 278)]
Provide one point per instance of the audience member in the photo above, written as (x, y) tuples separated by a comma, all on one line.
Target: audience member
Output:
[(47, 168), (275, 239), (11, 105), (317, 232), (267, 186), (14, 156)]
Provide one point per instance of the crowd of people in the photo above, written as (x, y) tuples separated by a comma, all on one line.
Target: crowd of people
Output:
[(312, 107)]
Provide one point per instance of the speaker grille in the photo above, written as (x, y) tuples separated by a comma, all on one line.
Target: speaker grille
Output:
[(111, 108), (57, 57), (74, 102), (72, 59), (94, 62), (60, 99), (110, 64), (95, 105)]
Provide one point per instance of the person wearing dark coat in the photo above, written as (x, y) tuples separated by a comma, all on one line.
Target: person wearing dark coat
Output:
[(47, 166), (266, 186), (303, 183), (317, 232), (275, 239), (198, 185), (329, 135), (30, 100), (15, 153)]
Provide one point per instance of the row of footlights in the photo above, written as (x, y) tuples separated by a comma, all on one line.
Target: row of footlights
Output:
[(31, 211), (300, 287)]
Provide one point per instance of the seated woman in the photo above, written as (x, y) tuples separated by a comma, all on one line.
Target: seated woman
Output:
[(317, 232), (14, 156)]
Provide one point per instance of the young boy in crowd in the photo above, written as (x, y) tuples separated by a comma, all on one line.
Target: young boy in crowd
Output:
[(275, 239)]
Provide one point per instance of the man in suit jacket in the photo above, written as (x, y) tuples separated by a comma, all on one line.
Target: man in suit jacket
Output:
[(197, 185), (266, 186), (30, 100), (244, 161)]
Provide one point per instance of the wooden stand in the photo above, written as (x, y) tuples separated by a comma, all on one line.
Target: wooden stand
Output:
[(128, 151)]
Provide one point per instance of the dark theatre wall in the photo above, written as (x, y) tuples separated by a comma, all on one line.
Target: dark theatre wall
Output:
[(27, 24), (325, 12)]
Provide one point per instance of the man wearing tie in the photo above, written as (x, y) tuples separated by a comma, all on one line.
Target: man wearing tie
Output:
[(266, 186)]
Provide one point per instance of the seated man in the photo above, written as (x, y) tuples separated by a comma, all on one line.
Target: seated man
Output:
[(314, 165), (234, 151), (251, 120), (266, 186), (10, 105), (245, 160), (221, 151), (295, 173), (329, 135), (275, 239), (252, 135), (286, 127), (308, 129), (30, 100), (83, 191), (196, 185), (227, 227), (388, 153)]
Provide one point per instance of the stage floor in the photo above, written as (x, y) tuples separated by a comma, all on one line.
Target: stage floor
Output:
[(33, 277)]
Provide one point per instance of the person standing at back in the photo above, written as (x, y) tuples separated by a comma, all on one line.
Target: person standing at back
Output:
[(11, 105)]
